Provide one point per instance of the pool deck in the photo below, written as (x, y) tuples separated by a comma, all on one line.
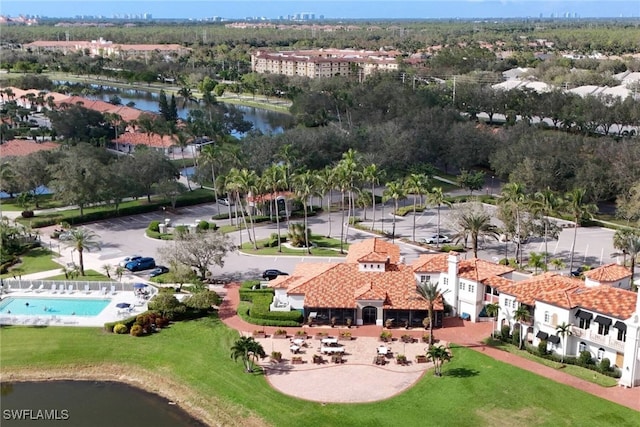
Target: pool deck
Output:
[(110, 313)]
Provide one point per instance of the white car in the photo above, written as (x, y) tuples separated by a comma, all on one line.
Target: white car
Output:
[(128, 259), (437, 238)]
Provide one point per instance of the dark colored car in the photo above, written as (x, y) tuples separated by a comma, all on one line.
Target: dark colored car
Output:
[(144, 263), (579, 271), (161, 269), (273, 273)]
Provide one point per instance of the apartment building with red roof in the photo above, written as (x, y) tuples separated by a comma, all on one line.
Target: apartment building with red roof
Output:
[(603, 318)]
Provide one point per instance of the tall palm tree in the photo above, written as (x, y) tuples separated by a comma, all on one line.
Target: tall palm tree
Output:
[(304, 183), (372, 175), (546, 202), (247, 349), (628, 241), (80, 239), (576, 204), (349, 174), (273, 178), (439, 355), (521, 315), (536, 261), (416, 184), (240, 182), (436, 197), (430, 292), (563, 330), (513, 199), (492, 310), (181, 139), (475, 225), (394, 190), (326, 183)]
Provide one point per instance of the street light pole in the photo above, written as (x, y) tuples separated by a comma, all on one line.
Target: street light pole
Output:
[(491, 190)]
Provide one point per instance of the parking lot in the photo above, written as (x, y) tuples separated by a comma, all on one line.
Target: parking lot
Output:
[(125, 236)]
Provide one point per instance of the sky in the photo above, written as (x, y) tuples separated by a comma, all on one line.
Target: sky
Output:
[(330, 9)]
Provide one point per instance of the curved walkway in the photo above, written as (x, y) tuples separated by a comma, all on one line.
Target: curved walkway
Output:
[(326, 379)]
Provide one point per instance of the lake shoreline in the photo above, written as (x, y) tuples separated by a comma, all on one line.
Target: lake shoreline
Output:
[(197, 406)]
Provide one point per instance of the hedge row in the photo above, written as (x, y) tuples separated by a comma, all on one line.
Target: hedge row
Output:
[(244, 310), (249, 295), (260, 310), (128, 322)]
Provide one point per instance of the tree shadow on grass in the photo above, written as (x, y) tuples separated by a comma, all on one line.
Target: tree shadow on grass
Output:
[(460, 373)]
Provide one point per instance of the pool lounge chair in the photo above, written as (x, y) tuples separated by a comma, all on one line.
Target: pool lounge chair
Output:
[(40, 288), (87, 289), (113, 290), (103, 291), (70, 289), (29, 289), (61, 288), (54, 288)]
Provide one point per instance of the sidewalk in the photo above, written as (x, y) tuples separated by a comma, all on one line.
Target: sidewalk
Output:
[(456, 331)]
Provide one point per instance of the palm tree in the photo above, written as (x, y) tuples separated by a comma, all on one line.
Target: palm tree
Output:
[(245, 181), (521, 315), (536, 261), (513, 199), (327, 182), (475, 225), (558, 264), (546, 203), (436, 197), (439, 355), (304, 186), (372, 174), (492, 310), (628, 241), (579, 209), (394, 190), (430, 292), (348, 175), (107, 269), (181, 139), (416, 184), (273, 178), (81, 239), (563, 330), (248, 349), (119, 272)]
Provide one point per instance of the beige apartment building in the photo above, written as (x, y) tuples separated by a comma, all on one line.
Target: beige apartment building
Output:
[(322, 63)]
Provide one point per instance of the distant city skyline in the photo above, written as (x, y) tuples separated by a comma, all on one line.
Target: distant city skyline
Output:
[(329, 9)]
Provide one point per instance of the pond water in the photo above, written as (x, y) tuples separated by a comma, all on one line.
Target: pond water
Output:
[(87, 403)]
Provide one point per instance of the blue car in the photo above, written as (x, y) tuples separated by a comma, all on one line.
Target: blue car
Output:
[(140, 264)]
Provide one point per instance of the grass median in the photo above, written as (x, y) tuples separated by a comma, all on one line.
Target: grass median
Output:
[(474, 390)]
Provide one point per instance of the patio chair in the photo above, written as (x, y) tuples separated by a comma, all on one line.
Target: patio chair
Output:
[(87, 289), (40, 288), (29, 289), (103, 291), (70, 289), (54, 288), (113, 290), (62, 289)]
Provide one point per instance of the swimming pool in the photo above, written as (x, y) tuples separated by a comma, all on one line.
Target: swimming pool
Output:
[(35, 306)]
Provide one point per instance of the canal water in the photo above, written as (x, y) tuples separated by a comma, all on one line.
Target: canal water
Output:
[(87, 403)]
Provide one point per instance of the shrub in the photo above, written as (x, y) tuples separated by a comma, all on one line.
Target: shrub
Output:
[(542, 347), (505, 331), (585, 358), (515, 338), (202, 226), (385, 336), (136, 330), (154, 226), (120, 329), (280, 332), (605, 365), (181, 230), (27, 214)]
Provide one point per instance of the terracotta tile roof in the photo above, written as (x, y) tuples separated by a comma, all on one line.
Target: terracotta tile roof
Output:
[(341, 285), (373, 250), (608, 273), (139, 138), (127, 113), (23, 147), (431, 263), (547, 287), (614, 302), (267, 197), (480, 270), (498, 282)]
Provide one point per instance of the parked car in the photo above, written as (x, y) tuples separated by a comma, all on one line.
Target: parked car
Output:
[(437, 238), (128, 259), (579, 271), (144, 263), (224, 201), (161, 269), (273, 273)]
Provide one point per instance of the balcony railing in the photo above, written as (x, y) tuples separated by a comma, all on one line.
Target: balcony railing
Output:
[(491, 298), (606, 340)]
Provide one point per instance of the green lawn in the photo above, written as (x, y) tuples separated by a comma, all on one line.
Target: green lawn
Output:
[(34, 261), (325, 246), (89, 276), (45, 201), (576, 371), (474, 391)]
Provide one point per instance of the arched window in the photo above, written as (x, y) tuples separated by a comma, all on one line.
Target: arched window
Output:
[(582, 347), (600, 353)]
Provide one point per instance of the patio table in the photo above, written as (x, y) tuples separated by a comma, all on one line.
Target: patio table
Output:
[(329, 340), (383, 350), (329, 350)]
